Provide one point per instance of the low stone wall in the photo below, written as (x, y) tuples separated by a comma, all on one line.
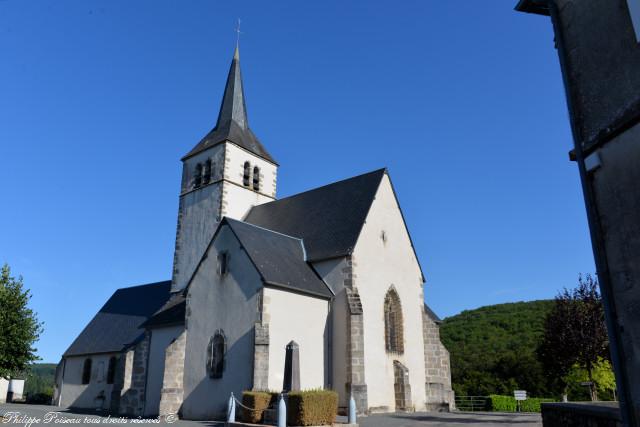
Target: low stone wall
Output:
[(591, 414)]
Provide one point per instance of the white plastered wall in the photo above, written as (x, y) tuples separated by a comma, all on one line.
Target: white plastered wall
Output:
[(379, 265), (160, 340), (78, 395), (332, 273), (303, 319), (229, 303), (235, 158)]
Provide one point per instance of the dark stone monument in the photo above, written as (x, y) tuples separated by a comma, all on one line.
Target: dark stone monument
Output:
[(291, 368)]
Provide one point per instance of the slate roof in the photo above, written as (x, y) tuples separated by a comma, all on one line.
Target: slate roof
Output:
[(279, 259), (328, 219), (171, 313), (118, 322), (432, 314), (233, 123)]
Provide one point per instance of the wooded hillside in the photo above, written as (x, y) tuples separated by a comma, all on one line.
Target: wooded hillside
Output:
[(493, 349)]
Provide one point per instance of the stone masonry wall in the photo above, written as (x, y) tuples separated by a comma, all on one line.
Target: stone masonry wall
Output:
[(132, 397), (439, 395), (172, 391), (356, 385), (261, 345)]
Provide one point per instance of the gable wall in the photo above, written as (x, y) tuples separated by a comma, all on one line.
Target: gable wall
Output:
[(231, 304), (380, 265)]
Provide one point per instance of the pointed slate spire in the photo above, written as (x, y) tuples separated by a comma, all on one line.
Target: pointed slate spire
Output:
[(232, 124), (233, 107)]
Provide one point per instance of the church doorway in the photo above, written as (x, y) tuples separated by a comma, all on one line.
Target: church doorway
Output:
[(401, 387)]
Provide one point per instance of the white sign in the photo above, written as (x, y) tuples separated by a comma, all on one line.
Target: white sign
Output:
[(520, 394)]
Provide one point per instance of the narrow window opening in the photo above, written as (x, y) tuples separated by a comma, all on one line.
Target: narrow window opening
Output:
[(217, 350), (246, 177), (86, 371), (223, 263), (206, 175), (393, 323), (111, 370), (197, 179), (256, 178)]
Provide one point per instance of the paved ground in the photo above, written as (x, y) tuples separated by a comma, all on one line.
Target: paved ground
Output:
[(36, 415)]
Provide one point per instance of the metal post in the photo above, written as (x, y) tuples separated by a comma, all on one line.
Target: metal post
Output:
[(282, 412), (231, 410), (352, 410)]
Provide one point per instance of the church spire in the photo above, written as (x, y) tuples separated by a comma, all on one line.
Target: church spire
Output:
[(233, 107), (232, 124)]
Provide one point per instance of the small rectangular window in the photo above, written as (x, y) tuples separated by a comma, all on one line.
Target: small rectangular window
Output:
[(634, 11), (223, 263)]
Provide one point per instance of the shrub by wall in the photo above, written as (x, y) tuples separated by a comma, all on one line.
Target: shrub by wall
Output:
[(259, 400), (533, 405), (312, 407), (499, 403), (508, 404)]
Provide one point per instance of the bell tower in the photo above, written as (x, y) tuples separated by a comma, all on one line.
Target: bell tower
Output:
[(225, 174)]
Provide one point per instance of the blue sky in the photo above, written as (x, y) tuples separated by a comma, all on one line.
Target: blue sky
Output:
[(462, 101)]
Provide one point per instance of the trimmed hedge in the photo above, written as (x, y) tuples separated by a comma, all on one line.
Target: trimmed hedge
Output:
[(499, 403), (259, 400), (312, 407)]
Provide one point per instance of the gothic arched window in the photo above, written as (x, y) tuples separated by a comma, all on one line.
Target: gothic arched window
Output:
[(111, 370), (393, 327), (197, 178), (206, 174), (246, 177), (86, 371), (216, 352), (256, 178)]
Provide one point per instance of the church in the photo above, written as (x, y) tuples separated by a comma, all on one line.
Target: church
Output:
[(332, 269)]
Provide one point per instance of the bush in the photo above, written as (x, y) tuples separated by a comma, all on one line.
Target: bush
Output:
[(312, 407), (508, 404), (40, 398), (499, 403), (259, 400), (533, 405)]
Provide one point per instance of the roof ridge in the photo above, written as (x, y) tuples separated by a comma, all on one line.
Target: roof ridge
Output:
[(384, 169), (145, 284), (263, 228)]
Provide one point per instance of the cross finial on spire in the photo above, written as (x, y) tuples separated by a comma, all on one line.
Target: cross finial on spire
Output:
[(238, 32)]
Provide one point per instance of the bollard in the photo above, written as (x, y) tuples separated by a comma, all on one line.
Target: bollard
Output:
[(352, 410), (231, 410), (282, 412)]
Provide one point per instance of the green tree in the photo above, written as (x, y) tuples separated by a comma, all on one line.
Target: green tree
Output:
[(602, 376), (575, 333), (19, 325)]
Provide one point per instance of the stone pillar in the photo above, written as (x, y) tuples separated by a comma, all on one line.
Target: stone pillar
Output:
[(135, 379), (356, 384), (439, 395), (291, 368), (172, 391), (261, 357)]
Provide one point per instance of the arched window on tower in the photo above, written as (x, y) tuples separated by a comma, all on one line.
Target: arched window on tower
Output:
[(197, 177), (206, 174), (393, 326), (256, 178), (217, 350), (111, 370), (86, 371), (246, 177)]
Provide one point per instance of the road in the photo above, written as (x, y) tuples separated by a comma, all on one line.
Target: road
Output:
[(37, 415)]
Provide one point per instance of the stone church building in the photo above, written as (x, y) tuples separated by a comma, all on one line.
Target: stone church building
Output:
[(332, 268)]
